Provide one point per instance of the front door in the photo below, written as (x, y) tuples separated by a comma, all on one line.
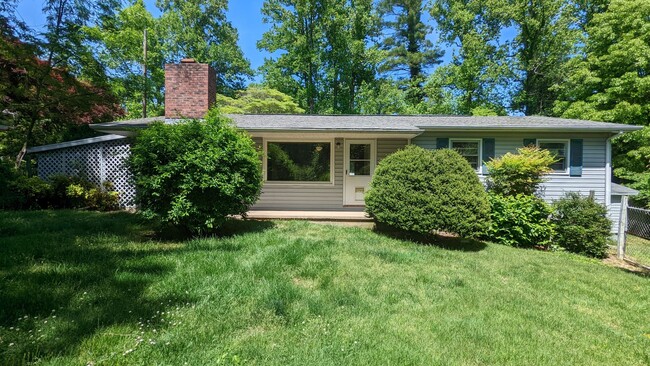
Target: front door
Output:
[(360, 159)]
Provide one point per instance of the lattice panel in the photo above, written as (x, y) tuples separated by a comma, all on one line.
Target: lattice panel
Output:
[(97, 162), (638, 222)]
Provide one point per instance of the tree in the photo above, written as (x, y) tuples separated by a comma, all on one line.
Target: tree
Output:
[(199, 29), (408, 52), (297, 29), (611, 83), (41, 102), (546, 40), (258, 100), (478, 74), (118, 41), (326, 59), (348, 60)]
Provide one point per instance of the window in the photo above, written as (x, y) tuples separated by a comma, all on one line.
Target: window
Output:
[(298, 161), (360, 159), (470, 150), (559, 150)]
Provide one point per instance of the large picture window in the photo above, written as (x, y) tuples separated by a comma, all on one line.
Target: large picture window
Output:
[(559, 150), (298, 161), (470, 150)]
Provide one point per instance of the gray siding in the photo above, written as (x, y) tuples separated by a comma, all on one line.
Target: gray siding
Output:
[(315, 196), (277, 196), (386, 147), (615, 212), (593, 173)]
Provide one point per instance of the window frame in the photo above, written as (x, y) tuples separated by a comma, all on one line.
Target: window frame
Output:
[(265, 143), (567, 154), (478, 169)]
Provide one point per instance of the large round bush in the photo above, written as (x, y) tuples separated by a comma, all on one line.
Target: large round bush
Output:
[(426, 191), (195, 174), (520, 221), (582, 225)]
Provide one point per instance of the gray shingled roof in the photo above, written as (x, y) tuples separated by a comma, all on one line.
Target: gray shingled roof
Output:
[(619, 190), (393, 123)]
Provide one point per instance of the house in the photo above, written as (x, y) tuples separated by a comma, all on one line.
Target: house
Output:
[(325, 163)]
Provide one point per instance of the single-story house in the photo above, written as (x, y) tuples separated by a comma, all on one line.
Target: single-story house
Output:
[(325, 163)]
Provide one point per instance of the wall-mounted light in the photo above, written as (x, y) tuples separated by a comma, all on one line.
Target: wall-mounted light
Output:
[(338, 145)]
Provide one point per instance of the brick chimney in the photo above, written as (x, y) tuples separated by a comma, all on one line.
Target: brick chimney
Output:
[(190, 89)]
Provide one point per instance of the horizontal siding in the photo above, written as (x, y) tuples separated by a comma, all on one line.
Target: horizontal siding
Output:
[(313, 196), (615, 212), (593, 174), (386, 147)]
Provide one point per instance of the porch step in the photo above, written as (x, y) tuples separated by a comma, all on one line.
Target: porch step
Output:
[(355, 216)]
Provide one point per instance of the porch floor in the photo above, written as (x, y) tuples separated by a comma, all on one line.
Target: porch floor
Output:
[(357, 216)]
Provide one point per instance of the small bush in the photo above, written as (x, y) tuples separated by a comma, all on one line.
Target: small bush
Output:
[(426, 191), (521, 173), (59, 191), (520, 221), (196, 173), (582, 225)]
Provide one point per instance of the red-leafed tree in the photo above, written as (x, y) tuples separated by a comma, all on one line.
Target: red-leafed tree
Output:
[(40, 101)]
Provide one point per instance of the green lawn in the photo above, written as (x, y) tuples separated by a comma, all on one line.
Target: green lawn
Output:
[(83, 287), (638, 249)]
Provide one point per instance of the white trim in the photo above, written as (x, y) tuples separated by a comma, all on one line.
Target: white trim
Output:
[(480, 150), (567, 157), (608, 172), (265, 142)]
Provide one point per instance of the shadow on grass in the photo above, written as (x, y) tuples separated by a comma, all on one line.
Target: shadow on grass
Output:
[(82, 271), (231, 228), (441, 241)]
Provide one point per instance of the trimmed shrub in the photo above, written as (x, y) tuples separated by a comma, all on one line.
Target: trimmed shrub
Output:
[(521, 173), (195, 174), (520, 221), (426, 191), (582, 225)]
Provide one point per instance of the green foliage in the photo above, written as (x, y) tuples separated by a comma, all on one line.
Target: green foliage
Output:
[(478, 74), (326, 58), (258, 100), (200, 29), (611, 83), (519, 221), (195, 174), (632, 162), (582, 225), (119, 40), (521, 173), (21, 192), (407, 50), (425, 191), (547, 38)]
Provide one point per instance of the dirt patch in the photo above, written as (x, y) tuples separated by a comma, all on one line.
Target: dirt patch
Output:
[(613, 261)]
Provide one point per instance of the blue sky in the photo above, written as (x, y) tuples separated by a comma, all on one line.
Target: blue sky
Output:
[(245, 15)]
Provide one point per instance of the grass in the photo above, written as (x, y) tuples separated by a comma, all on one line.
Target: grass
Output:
[(638, 249), (91, 288)]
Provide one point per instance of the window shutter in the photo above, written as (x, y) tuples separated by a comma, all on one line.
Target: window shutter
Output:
[(442, 143), (488, 153), (575, 166), (529, 142)]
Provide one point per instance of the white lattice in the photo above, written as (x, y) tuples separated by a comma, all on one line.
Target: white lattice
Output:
[(98, 162)]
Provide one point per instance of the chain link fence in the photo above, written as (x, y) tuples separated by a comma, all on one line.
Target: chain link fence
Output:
[(637, 239)]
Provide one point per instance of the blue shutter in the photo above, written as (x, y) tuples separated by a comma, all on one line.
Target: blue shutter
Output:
[(488, 153), (529, 142), (575, 166), (442, 143)]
